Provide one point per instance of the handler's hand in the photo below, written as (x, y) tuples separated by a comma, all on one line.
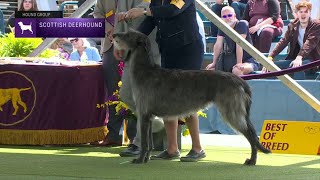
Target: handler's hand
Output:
[(109, 34), (134, 13), (121, 16)]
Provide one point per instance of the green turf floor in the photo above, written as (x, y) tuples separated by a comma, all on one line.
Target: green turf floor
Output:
[(84, 162)]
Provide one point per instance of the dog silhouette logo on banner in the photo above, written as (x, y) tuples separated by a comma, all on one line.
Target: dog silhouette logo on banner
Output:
[(25, 27), (13, 94), (17, 98)]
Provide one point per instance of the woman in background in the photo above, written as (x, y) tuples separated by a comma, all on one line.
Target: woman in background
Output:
[(265, 22), (83, 51), (25, 5)]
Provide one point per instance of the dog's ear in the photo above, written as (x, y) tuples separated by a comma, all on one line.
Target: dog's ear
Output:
[(145, 42)]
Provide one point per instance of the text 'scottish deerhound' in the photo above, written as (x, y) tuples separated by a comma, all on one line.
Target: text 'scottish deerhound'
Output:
[(179, 93)]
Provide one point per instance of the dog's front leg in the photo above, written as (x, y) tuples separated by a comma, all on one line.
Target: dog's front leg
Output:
[(145, 129), (150, 142)]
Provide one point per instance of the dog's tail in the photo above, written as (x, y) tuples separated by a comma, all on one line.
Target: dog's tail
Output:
[(24, 89), (251, 133), (238, 99)]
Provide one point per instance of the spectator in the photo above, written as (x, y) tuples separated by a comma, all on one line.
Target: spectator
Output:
[(216, 8), (181, 47), (239, 6), (25, 5), (83, 51), (106, 9), (234, 59), (265, 22), (315, 12), (303, 36)]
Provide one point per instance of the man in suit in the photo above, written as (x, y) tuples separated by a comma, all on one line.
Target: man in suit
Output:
[(106, 9)]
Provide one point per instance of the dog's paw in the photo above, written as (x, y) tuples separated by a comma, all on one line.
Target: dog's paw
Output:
[(146, 159), (250, 162), (137, 161)]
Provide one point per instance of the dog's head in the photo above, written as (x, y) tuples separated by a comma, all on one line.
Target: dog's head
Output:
[(129, 41), (20, 23)]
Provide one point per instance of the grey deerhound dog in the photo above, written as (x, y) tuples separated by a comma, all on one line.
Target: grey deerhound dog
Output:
[(178, 93)]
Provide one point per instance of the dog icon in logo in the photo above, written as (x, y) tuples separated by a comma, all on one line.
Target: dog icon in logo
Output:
[(25, 27), (13, 94)]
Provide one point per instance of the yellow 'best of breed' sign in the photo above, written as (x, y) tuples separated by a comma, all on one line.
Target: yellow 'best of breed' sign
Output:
[(291, 137)]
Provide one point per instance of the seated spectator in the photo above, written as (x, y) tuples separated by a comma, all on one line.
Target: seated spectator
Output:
[(303, 35), (233, 58), (265, 22), (216, 8), (25, 5), (83, 51), (239, 6)]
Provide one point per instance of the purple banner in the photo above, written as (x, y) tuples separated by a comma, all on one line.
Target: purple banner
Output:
[(59, 27), (38, 97)]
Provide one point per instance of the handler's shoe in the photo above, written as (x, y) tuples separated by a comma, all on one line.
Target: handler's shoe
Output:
[(131, 151), (164, 155), (193, 156)]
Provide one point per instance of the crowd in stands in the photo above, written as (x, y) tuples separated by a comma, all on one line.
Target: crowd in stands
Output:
[(266, 25)]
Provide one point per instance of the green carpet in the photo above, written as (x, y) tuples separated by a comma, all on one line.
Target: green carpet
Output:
[(83, 162)]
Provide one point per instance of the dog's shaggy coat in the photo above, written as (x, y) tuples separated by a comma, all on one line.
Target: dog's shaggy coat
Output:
[(179, 93)]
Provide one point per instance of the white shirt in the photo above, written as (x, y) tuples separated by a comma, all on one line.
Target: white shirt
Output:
[(300, 36), (201, 31)]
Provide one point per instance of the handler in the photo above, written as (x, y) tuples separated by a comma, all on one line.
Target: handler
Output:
[(181, 47)]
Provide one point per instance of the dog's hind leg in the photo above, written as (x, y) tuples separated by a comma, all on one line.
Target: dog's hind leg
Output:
[(150, 142), (239, 119), (14, 105), (22, 104), (145, 127)]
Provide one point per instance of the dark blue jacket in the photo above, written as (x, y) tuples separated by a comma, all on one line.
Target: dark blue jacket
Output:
[(175, 27)]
